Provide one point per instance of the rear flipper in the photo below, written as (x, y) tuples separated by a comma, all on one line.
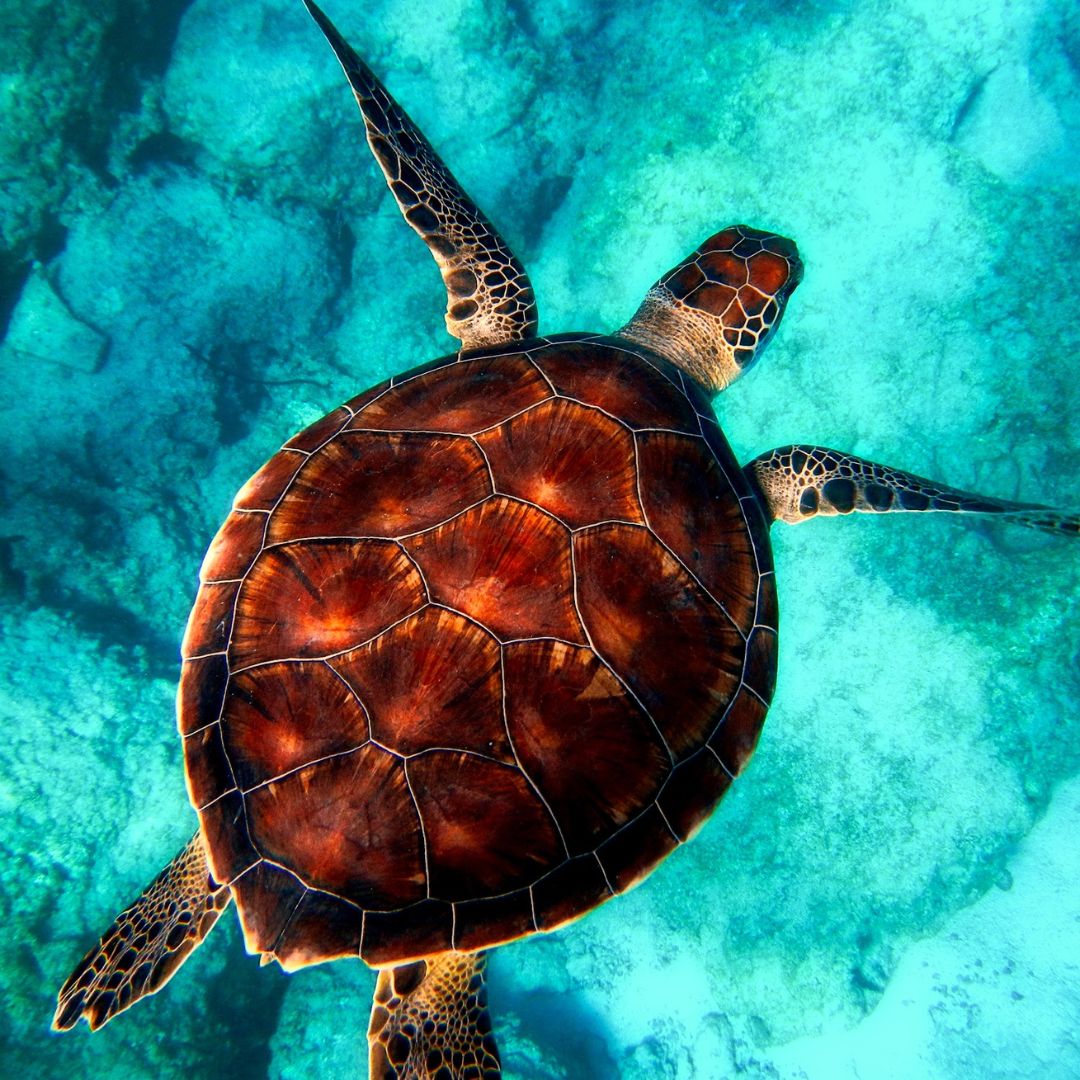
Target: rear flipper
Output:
[(796, 483), (429, 1021), (141, 951)]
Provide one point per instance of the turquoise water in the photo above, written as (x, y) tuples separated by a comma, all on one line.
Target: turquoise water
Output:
[(198, 257)]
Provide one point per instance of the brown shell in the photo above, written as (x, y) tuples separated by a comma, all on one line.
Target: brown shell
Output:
[(474, 652)]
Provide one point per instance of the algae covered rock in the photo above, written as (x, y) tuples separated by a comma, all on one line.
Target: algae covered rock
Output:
[(156, 352), (74, 87)]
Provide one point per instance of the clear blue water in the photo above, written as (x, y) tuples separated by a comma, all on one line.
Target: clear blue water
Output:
[(198, 256)]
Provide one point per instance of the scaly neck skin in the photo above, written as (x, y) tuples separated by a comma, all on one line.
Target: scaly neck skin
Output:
[(712, 314), (684, 336)]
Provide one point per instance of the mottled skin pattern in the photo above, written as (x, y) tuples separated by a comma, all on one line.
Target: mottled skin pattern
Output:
[(408, 1035), (800, 482), (146, 944), (476, 651)]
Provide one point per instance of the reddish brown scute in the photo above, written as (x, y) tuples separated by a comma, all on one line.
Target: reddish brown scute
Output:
[(474, 652)]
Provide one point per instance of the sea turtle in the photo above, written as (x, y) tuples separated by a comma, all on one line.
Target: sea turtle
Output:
[(477, 650)]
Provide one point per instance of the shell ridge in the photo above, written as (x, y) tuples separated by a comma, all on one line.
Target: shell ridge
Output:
[(327, 657), (723, 765), (667, 824), (423, 830), (313, 763), (600, 656), (521, 765)]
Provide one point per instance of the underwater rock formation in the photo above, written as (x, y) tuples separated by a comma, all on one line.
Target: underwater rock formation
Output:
[(197, 260)]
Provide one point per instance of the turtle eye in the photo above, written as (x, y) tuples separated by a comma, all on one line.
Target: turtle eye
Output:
[(743, 277)]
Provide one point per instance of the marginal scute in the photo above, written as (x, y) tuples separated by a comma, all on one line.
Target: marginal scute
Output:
[(374, 483), (267, 897), (228, 846), (234, 547), (760, 671), (314, 435), (479, 923), (211, 620), (658, 629), (416, 931), (756, 524), (322, 927), (209, 774), (487, 831), (430, 681), (574, 887), (635, 849), (505, 564), (347, 825), (587, 746), (736, 736), (264, 489), (314, 599), (280, 717), (692, 790), (767, 608), (202, 691)]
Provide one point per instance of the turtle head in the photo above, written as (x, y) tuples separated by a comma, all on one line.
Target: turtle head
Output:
[(713, 313)]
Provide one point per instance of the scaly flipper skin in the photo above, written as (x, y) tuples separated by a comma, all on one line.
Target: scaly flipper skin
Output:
[(146, 944), (489, 300), (800, 482), (429, 1021)]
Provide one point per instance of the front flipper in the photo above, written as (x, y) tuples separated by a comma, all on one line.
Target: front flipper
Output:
[(429, 1021), (797, 483), (142, 949), (489, 300)]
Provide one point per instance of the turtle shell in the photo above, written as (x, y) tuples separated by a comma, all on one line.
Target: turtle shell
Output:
[(474, 652)]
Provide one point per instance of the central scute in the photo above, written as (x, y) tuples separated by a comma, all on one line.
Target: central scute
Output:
[(474, 652)]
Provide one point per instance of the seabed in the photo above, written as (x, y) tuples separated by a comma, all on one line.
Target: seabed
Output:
[(198, 257)]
